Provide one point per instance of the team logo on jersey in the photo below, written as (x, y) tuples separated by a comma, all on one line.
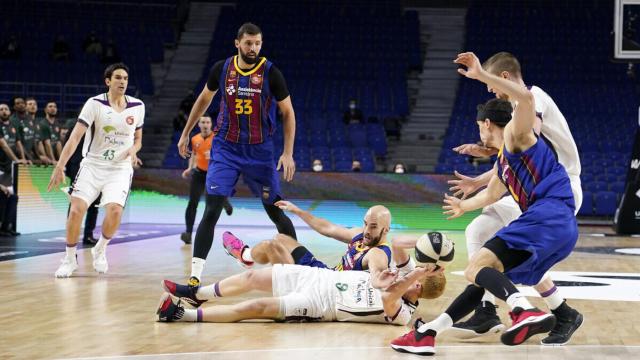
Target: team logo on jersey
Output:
[(130, 120), (108, 128), (232, 74), (231, 89), (256, 79)]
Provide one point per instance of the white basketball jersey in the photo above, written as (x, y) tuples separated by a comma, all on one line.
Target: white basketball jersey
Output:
[(556, 130), (110, 133), (357, 301)]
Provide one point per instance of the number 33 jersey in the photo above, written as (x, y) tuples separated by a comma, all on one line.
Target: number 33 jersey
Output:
[(110, 134)]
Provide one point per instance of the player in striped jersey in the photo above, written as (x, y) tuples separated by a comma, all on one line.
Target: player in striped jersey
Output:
[(523, 251), (551, 124), (251, 88)]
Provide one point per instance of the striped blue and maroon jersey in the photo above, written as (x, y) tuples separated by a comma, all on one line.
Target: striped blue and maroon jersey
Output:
[(534, 174), (247, 106)]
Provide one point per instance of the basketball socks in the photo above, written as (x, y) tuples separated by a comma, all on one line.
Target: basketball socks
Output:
[(465, 303), (197, 266), (209, 292), (71, 251), (552, 298), (500, 286), (438, 325), (102, 243), (488, 299), (188, 315), (518, 300), (246, 255), (407, 267), (280, 219)]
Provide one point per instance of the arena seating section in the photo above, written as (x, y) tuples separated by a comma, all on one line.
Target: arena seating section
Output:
[(363, 52), (138, 31), (595, 95)]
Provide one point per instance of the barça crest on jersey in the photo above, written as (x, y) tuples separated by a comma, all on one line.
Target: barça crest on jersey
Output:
[(232, 74), (256, 79), (130, 120), (231, 89)]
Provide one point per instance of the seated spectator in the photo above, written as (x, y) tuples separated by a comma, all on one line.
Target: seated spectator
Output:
[(9, 140), (92, 45), (10, 49), (317, 165), (399, 168), (353, 115), (61, 49), (355, 166), (110, 54)]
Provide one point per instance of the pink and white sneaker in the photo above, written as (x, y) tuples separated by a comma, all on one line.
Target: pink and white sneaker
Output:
[(234, 247)]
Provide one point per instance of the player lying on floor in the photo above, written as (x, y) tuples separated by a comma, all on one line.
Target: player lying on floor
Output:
[(302, 293)]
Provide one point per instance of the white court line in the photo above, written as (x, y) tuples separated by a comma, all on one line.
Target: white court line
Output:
[(475, 346)]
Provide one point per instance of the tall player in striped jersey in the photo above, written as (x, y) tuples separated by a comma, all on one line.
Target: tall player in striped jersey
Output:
[(112, 126), (251, 88), (302, 293), (523, 251), (553, 126)]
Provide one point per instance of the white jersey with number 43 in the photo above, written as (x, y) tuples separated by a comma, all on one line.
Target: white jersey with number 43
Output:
[(110, 133)]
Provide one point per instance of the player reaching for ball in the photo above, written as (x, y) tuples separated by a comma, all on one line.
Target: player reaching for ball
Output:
[(303, 293), (524, 250)]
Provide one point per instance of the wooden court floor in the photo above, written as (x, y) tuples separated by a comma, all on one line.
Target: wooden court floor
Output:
[(113, 315)]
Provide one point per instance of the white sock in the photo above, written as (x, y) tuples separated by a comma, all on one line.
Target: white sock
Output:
[(246, 255), (489, 297), (197, 266), (518, 300), (208, 292), (71, 251), (406, 268), (190, 315), (554, 300), (102, 243), (439, 324)]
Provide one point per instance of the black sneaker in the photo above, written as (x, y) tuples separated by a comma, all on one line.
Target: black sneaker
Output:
[(484, 321), (186, 237), (568, 320), (89, 240), (185, 293), (168, 311)]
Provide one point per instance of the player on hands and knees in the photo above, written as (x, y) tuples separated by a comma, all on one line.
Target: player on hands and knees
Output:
[(112, 126), (523, 251)]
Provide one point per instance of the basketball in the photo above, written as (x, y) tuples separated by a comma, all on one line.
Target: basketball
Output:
[(434, 248)]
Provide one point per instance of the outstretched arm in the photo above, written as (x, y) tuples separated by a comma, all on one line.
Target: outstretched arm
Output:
[(320, 225), (456, 207), (524, 113)]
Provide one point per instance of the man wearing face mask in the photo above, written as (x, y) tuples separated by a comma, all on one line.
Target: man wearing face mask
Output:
[(252, 88), (353, 115), (317, 165), (399, 169)]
